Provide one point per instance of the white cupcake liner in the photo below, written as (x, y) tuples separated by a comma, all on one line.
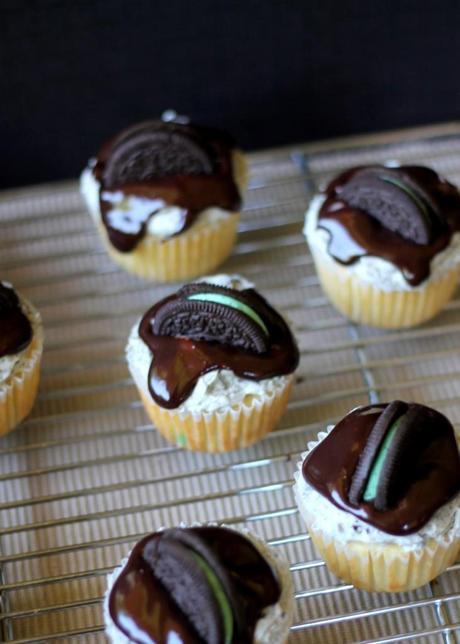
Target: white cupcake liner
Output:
[(239, 426)]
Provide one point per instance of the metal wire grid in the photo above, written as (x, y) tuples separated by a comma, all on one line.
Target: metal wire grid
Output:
[(87, 475)]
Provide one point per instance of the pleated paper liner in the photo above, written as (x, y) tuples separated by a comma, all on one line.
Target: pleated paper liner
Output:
[(198, 251), (18, 392), (241, 425), (366, 304), (380, 566)]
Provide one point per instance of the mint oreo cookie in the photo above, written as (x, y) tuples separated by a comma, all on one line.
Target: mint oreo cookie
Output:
[(156, 150), (194, 583), (404, 440), (391, 450), (213, 314), (372, 448), (394, 200)]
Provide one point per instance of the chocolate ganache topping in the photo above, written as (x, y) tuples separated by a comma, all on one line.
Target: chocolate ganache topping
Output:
[(205, 585), (156, 164), (204, 327), (15, 328), (391, 465), (405, 215)]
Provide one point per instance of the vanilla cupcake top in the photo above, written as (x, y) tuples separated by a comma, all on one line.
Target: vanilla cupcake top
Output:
[(202, 584), (15, 327), (390, 465), (156, 165), (205, 327), (405, 215)]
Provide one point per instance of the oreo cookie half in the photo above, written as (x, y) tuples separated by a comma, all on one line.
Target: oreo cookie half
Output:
[(391, 450), (193, 582), (395, 201), (373, 445), (213, 314), (191, 539), (402, 447), (155, 150)]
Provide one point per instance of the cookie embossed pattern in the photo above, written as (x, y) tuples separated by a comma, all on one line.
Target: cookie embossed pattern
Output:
[(87, 476)]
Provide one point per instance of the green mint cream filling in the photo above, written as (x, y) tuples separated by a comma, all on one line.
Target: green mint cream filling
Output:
[(410, 193), (227, 300), (374, 476), (219, 592)]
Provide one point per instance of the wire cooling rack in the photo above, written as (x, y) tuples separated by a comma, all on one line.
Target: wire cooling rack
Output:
[(87, 475)]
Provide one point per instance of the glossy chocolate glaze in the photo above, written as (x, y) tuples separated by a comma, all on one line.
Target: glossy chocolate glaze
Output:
[(15, 328), (179, 362), (143, 610), (433, 476), (355, 234), (193, 192)]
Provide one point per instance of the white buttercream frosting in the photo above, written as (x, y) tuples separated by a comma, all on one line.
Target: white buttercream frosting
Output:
[(89, 190), (215, 391), (271, 628), (165, 221), (375, 270), (129, 213), (9, 363), (342, 526)]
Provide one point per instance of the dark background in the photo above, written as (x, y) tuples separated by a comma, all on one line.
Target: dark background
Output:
[(270, 71)]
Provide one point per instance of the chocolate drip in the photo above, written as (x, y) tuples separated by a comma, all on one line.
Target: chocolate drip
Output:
[(428, 478), (145, 612), (179, 362), (15, 328), (165, 178), (353, 233)]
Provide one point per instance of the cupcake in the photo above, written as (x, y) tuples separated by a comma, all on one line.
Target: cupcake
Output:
[(204, 584), (380, 495), (165, 196), (386, 243), (213, 364), (21, 344)]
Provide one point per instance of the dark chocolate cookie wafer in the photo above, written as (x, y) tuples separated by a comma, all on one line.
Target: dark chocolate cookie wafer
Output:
[(394, 201), (213, 314), (374, 442), (193, 585), (156, 150)]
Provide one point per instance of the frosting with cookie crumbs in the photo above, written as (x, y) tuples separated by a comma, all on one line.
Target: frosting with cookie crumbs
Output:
[(159, 177), (217, 389), (394, 227), (166, 221), (392, 466)]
